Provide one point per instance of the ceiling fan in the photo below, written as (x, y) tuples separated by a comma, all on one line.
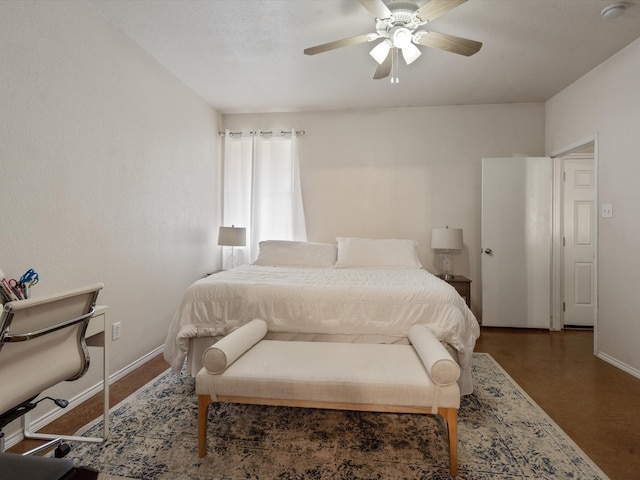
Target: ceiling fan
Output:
[(398, 23)]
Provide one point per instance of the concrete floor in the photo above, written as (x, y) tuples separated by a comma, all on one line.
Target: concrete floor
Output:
[(596, 404)]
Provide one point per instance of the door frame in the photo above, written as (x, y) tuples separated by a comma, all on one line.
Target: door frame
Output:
[(557, 250)]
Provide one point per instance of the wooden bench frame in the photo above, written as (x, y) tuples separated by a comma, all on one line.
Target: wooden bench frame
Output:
[(243, 368), (449, 414)]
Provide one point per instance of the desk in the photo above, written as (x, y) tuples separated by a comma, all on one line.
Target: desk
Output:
[(97, 335)]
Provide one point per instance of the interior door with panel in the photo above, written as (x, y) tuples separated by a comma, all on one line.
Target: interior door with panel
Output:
[(578, 241), (516, 242)]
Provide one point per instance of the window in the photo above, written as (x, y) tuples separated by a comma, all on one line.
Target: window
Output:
[(261, 188)]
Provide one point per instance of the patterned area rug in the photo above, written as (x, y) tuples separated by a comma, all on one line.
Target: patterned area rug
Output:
[(502, 434)]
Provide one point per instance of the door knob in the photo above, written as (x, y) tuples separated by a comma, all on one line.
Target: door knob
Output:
[(488, 251)]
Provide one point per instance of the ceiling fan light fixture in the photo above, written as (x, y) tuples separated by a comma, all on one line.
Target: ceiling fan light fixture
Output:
[(380, 51), (410, 53), (401, 37), (396, 24)]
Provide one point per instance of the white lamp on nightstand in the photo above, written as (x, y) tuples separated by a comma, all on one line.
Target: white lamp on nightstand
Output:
[(232, 237), (446, 239)]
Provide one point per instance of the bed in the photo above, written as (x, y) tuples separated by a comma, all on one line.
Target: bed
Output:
[(358, 290)]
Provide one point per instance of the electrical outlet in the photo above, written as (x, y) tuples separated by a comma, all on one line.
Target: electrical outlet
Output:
[(607, 210), (115, 330)]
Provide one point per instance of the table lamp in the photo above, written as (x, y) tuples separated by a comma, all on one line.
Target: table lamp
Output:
[(232, 237), (446, 239)]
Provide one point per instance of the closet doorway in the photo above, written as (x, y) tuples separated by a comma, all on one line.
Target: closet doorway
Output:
[(575, 238)]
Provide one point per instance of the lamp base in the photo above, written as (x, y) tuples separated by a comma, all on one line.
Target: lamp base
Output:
[(230, 260), (446, 265)]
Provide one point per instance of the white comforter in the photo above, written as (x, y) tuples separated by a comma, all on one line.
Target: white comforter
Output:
[(385, 302)]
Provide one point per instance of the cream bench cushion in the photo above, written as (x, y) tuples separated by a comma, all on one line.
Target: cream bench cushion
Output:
[(330, 372), (417, 378)]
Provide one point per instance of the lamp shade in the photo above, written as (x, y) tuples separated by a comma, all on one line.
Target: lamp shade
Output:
[(232, 236), (410, 53), (446, 238), (380, 51)]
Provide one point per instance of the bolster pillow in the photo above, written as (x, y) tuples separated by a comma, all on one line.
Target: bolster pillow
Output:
[(442, 369), (223, 353)]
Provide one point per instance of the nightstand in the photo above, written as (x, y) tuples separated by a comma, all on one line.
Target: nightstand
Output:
[(462, 286), (211, 273)]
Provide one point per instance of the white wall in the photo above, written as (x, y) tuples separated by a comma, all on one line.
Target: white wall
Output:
[(396, 173), (109, 170), (605, 102)]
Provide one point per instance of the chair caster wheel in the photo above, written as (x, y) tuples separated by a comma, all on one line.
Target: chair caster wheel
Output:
[(62, 450)]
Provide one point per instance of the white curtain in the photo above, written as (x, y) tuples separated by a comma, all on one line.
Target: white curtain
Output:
[(262, 189)]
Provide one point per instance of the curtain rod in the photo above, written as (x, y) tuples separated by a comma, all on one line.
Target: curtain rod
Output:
[(299, 133)]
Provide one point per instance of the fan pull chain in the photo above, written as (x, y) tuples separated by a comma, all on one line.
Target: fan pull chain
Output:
[(394, 67)]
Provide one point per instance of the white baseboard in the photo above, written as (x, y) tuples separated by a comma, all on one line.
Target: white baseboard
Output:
[(40, 422), (132, 366), (618, 364)]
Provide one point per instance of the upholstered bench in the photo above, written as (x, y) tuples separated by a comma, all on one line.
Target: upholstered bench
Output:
[(417, 378)]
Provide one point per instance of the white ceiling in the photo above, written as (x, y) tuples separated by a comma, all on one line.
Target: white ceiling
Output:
[(246, 55)]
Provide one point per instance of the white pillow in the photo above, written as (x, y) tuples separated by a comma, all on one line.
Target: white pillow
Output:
[(223, 353), (442, 368), (296, 254), (369, 253)]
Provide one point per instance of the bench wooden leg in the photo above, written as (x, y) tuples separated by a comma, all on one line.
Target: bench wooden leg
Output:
[(203, 413), (451, 417)]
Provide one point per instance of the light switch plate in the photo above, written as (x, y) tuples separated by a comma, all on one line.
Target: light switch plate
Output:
[(607, 210)]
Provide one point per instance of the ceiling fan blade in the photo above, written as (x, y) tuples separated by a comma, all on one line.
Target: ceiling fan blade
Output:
[(384, 69), (377, 8), (449, 43), (435, 8), (345, 42)]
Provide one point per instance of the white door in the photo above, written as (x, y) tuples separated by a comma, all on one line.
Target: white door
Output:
[(516, 242), (578, 233)]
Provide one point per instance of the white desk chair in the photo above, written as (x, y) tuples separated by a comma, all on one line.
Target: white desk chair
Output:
[(42, 343)]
